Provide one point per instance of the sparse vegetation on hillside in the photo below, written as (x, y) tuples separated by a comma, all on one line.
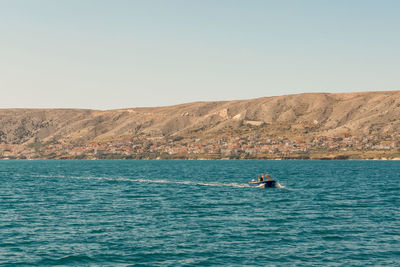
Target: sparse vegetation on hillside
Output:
[(293, 126)]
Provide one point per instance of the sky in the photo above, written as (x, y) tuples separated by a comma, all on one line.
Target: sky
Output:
[(122, 54)]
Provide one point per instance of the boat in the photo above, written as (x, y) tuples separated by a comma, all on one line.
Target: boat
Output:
[(270, 183)]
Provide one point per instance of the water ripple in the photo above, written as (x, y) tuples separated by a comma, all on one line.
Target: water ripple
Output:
[(172, 213)]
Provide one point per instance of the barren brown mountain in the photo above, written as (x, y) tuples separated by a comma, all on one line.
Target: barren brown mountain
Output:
[(313, 114)]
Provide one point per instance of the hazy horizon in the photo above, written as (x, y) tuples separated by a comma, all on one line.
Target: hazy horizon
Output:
[(197, 101), (126, 54)]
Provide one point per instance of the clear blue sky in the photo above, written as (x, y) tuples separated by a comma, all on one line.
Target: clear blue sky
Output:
[(118, 54)]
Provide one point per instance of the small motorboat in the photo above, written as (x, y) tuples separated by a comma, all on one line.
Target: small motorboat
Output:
[(270, 183)]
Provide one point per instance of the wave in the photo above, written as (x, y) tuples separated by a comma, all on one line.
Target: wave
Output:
[(163, 181), (278, 185)]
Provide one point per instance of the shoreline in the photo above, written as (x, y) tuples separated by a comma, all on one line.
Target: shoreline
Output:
[(375, 155), (197, 159)]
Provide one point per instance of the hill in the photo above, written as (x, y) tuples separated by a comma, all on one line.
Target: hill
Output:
[(299, 117)]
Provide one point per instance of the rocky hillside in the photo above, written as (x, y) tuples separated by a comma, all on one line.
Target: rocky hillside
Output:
[(316, 114)]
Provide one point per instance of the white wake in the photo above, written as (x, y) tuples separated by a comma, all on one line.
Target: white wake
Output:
[(162, 181)]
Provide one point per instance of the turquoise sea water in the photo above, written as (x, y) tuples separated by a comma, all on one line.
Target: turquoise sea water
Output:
[(172, 213)]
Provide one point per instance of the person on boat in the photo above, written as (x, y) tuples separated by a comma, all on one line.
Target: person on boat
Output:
[(268, 177), (260, 178)]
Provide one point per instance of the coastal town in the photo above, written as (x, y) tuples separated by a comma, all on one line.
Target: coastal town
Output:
[(251, 146)]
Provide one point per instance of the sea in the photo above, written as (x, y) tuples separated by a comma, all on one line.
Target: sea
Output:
[(199, 213)]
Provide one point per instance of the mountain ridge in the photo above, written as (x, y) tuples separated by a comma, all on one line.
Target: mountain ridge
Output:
[(292, 116), (328, 112)]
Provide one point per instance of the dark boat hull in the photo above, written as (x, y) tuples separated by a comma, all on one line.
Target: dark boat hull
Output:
[(271, 183)]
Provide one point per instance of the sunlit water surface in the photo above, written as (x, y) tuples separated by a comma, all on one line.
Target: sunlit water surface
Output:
[(199, 213)]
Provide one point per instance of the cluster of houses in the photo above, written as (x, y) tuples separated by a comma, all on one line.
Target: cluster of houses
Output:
[(224, 146)]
